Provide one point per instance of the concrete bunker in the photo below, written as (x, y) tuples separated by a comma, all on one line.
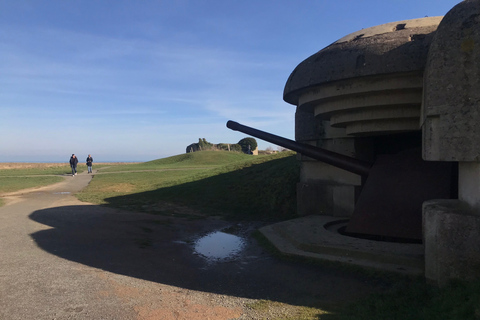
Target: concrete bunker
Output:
[(404, 96), (361, 96)]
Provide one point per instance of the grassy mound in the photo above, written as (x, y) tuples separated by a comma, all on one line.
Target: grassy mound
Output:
[(202, 158), (199, 159), (223, 183)]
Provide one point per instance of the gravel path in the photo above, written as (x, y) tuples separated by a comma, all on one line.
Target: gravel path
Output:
[(64, 259)]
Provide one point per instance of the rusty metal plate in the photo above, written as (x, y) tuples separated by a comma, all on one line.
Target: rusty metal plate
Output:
[(390, 205)]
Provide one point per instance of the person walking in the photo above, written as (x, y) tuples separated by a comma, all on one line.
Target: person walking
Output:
[(73, 164), (89, 163)]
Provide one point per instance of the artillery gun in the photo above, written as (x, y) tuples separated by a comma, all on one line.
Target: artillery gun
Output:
[(389, 205)]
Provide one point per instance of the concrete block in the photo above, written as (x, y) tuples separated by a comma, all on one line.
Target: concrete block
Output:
[(307, 127), (452, 241), (344, 200), (314, 199), (325, 199)]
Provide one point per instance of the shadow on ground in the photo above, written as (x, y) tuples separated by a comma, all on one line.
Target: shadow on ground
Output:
[(161, 249)]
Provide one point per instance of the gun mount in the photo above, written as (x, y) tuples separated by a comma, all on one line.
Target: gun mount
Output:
[(380, 207), (335, 159)]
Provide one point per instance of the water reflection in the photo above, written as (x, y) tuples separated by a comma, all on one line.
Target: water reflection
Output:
[(219, 245)]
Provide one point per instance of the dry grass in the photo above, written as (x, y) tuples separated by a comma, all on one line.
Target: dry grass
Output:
[(20, 165)]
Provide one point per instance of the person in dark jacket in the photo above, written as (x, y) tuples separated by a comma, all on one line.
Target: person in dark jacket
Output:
[(89, 163), (73, 164)]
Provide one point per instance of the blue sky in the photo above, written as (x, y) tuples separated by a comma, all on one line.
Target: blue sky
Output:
[(141, 80)]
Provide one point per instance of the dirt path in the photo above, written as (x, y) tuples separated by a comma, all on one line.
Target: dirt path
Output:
[(64, 259)]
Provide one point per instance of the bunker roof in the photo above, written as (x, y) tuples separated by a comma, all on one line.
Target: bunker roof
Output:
[(394, 47)]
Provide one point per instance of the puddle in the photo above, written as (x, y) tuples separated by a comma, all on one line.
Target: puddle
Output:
[(219, 245)]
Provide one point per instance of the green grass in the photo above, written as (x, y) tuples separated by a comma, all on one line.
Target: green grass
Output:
[(40, 171), (213, 182), (15, 183), (415, 300), (10, 184), (204, 159), (58, 170), (17, 179)]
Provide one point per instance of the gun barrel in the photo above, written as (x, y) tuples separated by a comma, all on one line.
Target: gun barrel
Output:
[(336, 159)]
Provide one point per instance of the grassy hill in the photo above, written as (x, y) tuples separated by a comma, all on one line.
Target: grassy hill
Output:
[(203, 158), (188, 160), (211, 182)]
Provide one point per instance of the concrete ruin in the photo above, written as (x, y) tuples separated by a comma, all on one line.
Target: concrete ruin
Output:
[(404, 96)]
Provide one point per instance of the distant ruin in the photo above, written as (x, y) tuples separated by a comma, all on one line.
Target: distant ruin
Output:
[(246, 145)]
